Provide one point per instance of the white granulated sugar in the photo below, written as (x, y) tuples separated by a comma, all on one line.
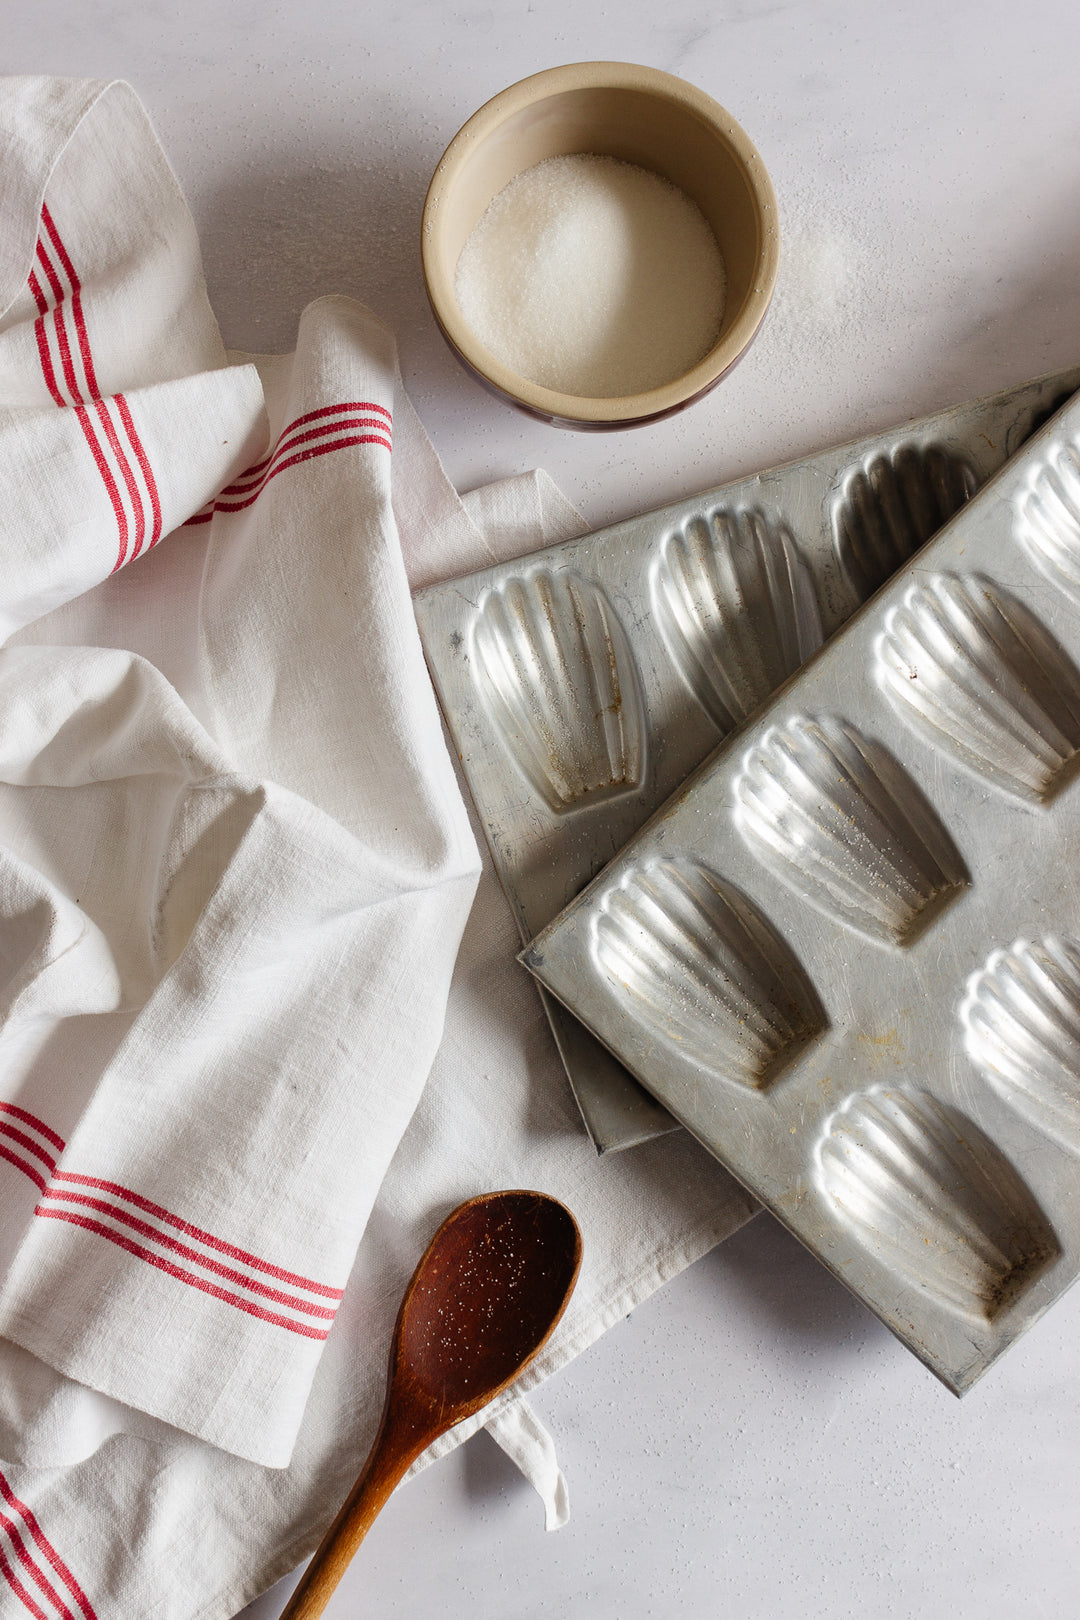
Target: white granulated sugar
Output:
[(593, 277)]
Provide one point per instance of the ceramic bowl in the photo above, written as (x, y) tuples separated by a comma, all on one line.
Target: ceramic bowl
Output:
[(642, 116)]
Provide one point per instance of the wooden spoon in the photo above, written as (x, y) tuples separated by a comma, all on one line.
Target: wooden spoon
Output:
[(491, 1285)]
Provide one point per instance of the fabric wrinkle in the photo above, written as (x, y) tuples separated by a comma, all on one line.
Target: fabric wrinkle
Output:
[(261, 1039)]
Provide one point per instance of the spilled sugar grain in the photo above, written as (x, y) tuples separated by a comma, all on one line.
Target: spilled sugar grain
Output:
[(593, 277)]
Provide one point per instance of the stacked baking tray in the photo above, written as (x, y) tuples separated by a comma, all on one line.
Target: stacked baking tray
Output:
[(847, 954), (582, 685)]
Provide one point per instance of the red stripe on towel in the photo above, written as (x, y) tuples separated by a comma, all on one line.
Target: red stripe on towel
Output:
[(130, 456), (291, 461), (41, 1580), (108, 480), (47, 1550), (144, 463), (19, 1589), (38, 1124), (41, 337), (59, 324), (328, 410), (196, 1233), (182, 1276), (27, 1169), (188, 1253), (290, 440), (317, 416), (137, 447), (51, 1190), (90, 388), (134, 493), (333, 419), (27, 1142), (75, 395), (76, 303)]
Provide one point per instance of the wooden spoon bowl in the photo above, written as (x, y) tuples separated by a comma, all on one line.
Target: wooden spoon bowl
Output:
[(484, 1299)]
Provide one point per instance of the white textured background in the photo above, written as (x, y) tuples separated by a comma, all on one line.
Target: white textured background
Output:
[(751, 1443)]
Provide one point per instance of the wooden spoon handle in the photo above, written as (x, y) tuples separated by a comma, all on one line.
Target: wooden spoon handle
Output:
[(387, 1462)]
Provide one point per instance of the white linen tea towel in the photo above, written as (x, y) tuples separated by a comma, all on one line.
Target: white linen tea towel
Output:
[(234, 871), (191, 1169)]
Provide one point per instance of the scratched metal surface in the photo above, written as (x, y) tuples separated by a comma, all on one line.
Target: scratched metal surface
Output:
[(584, 683), (847, 954)]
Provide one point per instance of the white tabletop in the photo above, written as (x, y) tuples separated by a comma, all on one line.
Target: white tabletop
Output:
[(751, 1442)]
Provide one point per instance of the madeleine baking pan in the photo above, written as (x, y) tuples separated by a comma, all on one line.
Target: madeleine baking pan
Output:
[(583, 684), (847, 954)]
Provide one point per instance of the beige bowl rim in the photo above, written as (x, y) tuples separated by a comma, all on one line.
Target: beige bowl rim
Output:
[(546, 402)]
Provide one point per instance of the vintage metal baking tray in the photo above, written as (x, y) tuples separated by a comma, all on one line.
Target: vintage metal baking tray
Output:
[(847, 954), (584, 683)]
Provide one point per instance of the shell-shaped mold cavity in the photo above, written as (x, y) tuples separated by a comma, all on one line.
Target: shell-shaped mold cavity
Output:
[(1050, 517), (735, 604), (1021, 1023), (839, 821), (892, 505), (974, 666), (559, 682), (703, 971), (931, 1195)]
